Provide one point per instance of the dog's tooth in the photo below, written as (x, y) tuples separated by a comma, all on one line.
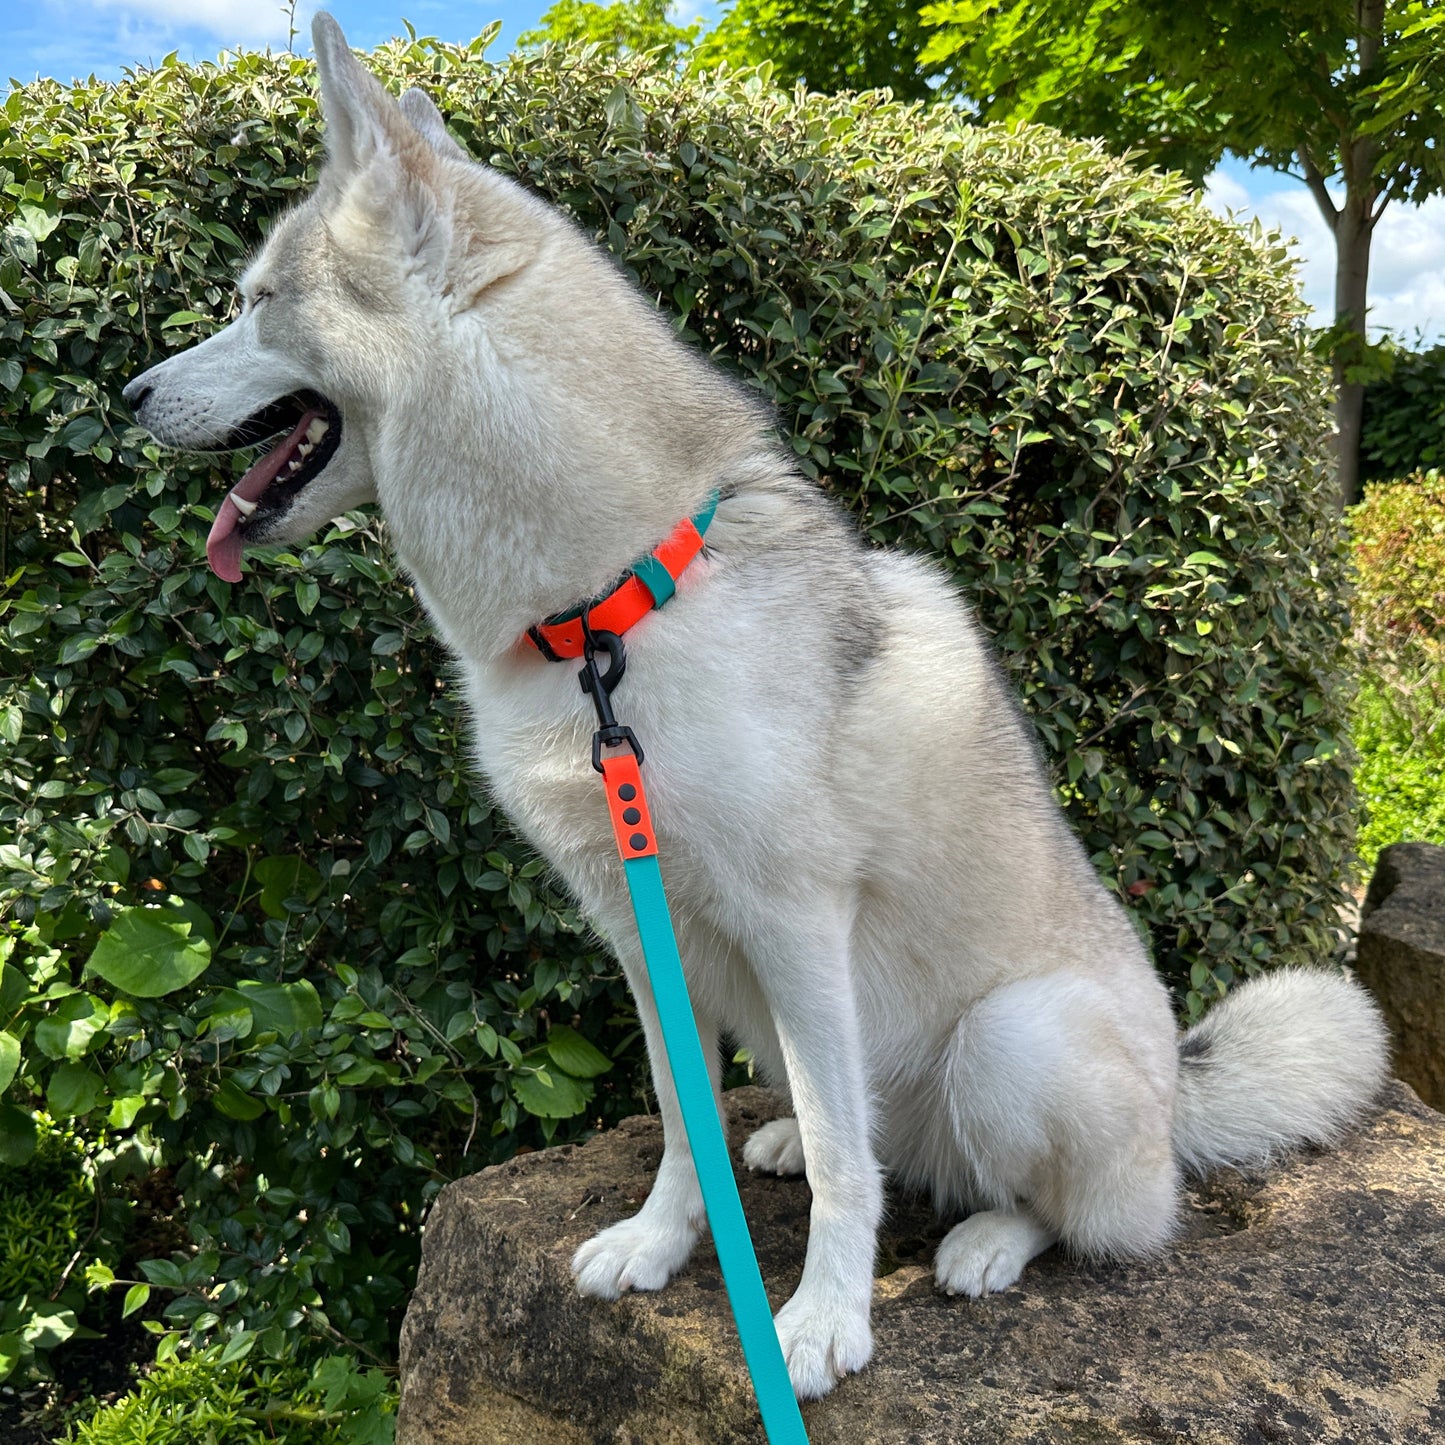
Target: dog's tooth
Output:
[(317, 430), (306, 448), (244, 507)]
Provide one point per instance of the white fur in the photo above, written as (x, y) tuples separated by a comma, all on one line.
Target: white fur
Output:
[(874, 889)]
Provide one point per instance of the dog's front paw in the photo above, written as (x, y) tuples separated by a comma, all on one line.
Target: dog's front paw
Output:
[(822, 1341), (776, 1148), (988, 1252), (633, 1254)]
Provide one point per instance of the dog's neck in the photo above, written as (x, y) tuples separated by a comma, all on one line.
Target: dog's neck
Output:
[(563, 431), (495, 546)]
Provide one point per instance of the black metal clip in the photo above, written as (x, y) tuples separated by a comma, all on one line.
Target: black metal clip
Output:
[(599, 686)]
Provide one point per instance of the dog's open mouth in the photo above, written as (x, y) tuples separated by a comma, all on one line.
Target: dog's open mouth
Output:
[(312, 427)]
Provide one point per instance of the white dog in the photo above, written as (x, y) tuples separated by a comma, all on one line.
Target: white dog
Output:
[(873, 888)]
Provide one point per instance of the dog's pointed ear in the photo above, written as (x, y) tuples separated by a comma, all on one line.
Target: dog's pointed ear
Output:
[(362, 120), (375, 156), (427, 120)]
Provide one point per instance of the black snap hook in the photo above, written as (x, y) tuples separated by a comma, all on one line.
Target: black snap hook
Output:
[(599, 686)]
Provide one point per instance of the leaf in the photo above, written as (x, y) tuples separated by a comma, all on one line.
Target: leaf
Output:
[(17, 1135), (189, 911), (551, 1096), (574, 1055), (82, 433), (73, 1089), (308, 593), (184, 318), (39, 221), (238, 1346), (9, 1059), (123, 1111), (283, 878), (235, 1103), (281, 1008), (148, 954), (622, 110), (47, 1328), (67, 1031), (135, 1297)]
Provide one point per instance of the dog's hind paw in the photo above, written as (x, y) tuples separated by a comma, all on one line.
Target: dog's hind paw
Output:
[(776, 1148), (822, 1341), (988, 1252), (633, 1254)]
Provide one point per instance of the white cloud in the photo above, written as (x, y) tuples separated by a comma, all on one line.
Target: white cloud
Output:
[(1407, 254), (231, 22)]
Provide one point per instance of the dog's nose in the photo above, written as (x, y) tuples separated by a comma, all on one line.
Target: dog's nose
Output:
[(136, 392)]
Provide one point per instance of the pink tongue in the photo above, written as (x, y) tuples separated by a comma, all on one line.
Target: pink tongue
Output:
[(227, 538)]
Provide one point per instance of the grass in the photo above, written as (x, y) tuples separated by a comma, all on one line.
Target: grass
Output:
[(1400, 775)]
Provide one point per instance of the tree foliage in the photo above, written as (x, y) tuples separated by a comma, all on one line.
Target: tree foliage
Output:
[(626, 27), (828, 46)]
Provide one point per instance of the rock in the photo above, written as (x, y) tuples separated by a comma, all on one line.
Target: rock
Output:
[(1400, 958), (1306, 1303)]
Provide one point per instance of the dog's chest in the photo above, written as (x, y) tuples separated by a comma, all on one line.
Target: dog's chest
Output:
[(726, 802)]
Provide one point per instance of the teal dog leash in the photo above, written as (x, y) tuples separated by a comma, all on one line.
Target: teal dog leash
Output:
[(637, 843)]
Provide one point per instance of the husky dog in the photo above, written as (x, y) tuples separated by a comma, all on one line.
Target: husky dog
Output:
[(874, 890)]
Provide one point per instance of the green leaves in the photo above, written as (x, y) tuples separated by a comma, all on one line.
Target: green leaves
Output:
[(574, 1055), (148, 952), (283, 878)]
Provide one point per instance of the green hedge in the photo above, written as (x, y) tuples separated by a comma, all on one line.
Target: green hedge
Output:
[(1403, 428), (260, 927)]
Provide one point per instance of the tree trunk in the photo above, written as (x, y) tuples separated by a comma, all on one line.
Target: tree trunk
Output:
[(1353, 226)]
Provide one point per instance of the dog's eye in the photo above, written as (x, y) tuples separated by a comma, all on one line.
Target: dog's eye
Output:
[(260, 294)]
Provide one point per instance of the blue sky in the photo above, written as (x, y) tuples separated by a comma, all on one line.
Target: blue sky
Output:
[(66, 38)]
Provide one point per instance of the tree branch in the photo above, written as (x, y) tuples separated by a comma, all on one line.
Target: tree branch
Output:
[(1316, 182)]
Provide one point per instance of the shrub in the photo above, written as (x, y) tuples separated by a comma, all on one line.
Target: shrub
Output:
[(200, 1401), (1403, 428), (259, 922), (50, 1230), (1399, 728)]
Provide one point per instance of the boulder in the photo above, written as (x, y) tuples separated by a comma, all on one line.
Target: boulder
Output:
[(1400, 958), (1305, 1303)]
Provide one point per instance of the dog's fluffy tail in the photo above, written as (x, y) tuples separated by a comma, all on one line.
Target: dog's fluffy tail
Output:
[(1293, 1057)]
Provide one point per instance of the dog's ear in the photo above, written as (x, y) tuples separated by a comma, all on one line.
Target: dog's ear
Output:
[(362, 120), (383, 163), (427, 120)]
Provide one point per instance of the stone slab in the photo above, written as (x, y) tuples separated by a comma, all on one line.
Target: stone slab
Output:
[(1306, 1303), (1400, 958)]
